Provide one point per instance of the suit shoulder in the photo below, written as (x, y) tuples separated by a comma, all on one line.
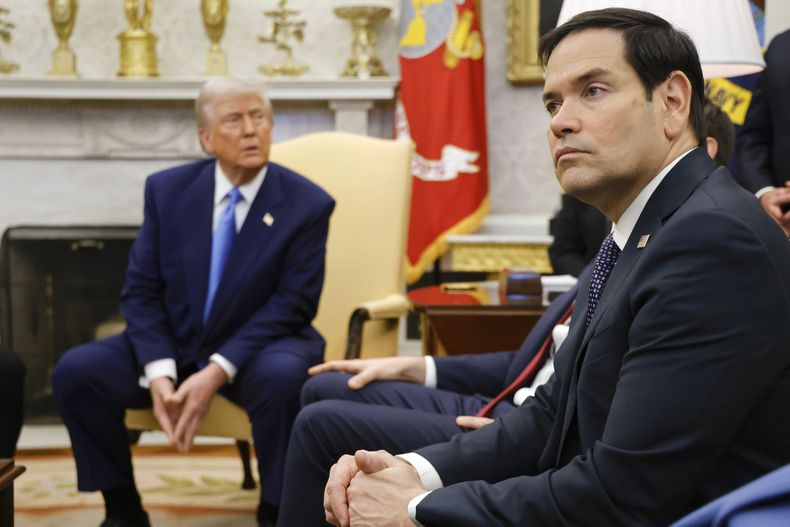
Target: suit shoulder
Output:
[(179, 174), (782, 40), (299, 185)]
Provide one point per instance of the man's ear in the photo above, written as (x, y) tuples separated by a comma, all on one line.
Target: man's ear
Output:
[(712, 146), (205, 140), (676, 96)]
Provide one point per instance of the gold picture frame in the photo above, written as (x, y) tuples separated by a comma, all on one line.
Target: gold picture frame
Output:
[(523, 34)]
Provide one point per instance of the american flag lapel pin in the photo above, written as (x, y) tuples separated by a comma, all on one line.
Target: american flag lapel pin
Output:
[(268, 219), (643, 241)]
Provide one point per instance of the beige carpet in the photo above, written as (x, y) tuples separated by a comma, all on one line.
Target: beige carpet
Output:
[(201, 489)]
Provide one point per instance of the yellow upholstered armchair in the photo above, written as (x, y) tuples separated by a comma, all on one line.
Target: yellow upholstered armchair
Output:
[(370, 180)]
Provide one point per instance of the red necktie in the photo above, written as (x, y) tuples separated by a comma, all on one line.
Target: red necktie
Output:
[(528, 371)]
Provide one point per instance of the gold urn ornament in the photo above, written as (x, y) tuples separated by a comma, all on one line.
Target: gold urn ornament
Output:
[(364, 61), (138, 43), (63, 14), (215, 14)]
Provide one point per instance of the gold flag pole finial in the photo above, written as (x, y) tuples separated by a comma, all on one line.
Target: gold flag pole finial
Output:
[(63, 14), (5, 36), (283, 29), (138, 43), (215, 14)]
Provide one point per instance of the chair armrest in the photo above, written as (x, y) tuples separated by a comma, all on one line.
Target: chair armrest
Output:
[(391, 306)]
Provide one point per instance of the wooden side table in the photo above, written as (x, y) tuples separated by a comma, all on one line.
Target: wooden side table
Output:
[(8, 473), (470, 318)]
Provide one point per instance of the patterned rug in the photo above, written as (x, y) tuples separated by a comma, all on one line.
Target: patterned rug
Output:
[(202, 488)]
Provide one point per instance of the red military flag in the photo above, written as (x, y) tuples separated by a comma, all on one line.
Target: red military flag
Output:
[(442, 109)]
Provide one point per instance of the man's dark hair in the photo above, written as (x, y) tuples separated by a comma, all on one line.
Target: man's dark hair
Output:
[(653, 47), (719, 126)]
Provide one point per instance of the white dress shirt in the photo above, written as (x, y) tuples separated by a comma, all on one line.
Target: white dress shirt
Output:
[(222, 185), (621, 231)]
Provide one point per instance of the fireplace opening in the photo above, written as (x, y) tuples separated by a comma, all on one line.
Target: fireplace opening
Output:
[(57, 284)]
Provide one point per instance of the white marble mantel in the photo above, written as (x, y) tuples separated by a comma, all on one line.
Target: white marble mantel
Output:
[(185, 89), (77, 151), (153, 118)]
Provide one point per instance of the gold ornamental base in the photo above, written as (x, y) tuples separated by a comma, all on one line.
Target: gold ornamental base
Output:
[(216, 62), (64, 62), (138, 54), (8, 67), (287, 68), (363, 68)]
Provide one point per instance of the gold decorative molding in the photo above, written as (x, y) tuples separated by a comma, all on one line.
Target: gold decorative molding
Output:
[(523, 32), (493, 257)]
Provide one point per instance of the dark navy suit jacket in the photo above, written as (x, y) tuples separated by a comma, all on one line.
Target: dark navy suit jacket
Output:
[(764, 141), (675, 394), (269, 289)]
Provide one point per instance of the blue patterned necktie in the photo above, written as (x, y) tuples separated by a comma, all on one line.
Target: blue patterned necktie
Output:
[(604, 263), (221, 244)]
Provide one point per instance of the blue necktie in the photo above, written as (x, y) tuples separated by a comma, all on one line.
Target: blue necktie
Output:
[(221, 244), (604, 263)]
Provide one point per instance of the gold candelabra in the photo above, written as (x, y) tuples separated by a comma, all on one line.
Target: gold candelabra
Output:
[(282, 30), (215, 13), (5, 36), (138, 43), (364, 61), (63, 14)]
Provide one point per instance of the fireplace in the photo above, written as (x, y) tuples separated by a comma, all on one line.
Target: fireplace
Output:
[(57, 284)]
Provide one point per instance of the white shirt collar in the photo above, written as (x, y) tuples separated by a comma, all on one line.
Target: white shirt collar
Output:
[(249, 190), (621, 230)]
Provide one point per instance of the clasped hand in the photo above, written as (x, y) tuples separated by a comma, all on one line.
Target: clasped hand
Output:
[(370, 489), (180, 412)]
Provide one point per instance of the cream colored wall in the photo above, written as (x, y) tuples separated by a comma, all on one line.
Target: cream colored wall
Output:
[(777, 18)]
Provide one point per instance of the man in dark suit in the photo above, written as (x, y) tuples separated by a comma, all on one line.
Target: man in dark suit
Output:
[(672, 385), (12, 390), (223, 283), (764, 142), (403, 403)]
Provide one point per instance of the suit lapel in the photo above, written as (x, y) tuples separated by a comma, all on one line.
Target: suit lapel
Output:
[(196, 219), (251, 241), (675, 189), (671, 193)]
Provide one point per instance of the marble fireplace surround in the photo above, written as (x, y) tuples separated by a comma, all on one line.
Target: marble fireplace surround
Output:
[(77, 151)]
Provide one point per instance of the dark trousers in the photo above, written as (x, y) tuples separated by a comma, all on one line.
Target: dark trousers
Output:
[(12, 389), (95, 383), (394, 416)]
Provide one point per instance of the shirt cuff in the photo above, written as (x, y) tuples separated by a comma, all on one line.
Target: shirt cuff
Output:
[(428, 476), (759, 194), (225, 364), (413, 507), (158, 368), (430, 372)]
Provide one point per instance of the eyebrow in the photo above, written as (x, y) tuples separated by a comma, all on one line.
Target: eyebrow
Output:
[(584, 78)]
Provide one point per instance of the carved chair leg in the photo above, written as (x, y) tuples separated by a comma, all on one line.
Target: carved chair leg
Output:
[(244, 453)]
